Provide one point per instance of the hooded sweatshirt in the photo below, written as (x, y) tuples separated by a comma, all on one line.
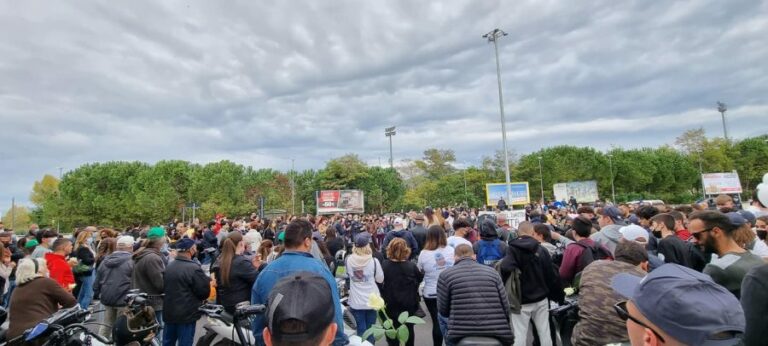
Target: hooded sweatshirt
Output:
[(113, 278), (608, 236), (363, 272), (148, 270), (537, 273)]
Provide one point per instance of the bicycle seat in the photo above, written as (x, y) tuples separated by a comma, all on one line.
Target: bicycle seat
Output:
[(479, 341)]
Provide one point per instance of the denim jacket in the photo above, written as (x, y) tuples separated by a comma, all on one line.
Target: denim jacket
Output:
[(288, 263)]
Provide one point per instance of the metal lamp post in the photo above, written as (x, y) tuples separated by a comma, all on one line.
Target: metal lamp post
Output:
[(389, 132), (722, 108), (493, 36), (541, 180), (613, 188)]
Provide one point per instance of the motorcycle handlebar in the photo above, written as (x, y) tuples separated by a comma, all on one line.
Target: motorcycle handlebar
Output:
[(62, 332), (251, 310)]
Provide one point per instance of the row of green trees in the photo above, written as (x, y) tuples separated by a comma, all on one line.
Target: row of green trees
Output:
[(123, 193)]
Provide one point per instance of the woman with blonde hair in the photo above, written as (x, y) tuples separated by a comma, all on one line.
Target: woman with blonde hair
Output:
[(35, 298), (401, 287), (363, 272), (234, 273), (83, 271)]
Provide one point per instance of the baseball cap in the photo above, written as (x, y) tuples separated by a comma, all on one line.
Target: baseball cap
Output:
[(287, 302), (419, 217), (362, 239), (749, 216), (684, 303), (49, 233), (184, 244), (612, 212), (156, 232), (398, 221), (31, 243), (125, 240), (633, 233), (736, 219)]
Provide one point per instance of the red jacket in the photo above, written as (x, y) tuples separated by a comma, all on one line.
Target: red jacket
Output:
[(59, 270)]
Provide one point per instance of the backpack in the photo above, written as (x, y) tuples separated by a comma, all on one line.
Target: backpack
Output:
[(489, 253), (513, 289), (591, 254)]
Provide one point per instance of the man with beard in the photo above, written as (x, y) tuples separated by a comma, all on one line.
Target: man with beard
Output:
[(713, 231)]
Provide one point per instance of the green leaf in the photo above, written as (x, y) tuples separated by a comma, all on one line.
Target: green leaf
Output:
[(388, 324), (403, 316), (367, 333), (403, 334), (414, 320), (391, 333), (378, 333)]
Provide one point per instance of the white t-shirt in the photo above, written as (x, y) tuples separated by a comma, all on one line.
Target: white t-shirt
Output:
[(760, 248), (362, 282), (454, 241), (432, 262)]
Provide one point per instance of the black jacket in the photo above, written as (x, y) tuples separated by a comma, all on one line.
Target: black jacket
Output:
[(113, 278), (420, 234), (186, 287), (334, 245), (85, 256), (538, 279), (472, 296), (147, 276), (401, 286), (242, 275)]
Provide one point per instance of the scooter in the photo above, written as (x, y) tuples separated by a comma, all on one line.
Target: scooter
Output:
[(224, 328)]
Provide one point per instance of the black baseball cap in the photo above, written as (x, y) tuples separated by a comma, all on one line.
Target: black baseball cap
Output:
[(304, 298)]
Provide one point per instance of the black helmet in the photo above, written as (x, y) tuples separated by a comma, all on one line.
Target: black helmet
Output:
[(140, 327)]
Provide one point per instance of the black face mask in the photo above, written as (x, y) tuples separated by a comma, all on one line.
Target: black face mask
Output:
[(761, 234), (656, 234)]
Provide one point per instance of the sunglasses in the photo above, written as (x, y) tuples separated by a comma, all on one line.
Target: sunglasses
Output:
[(697, 235), (621, 310)]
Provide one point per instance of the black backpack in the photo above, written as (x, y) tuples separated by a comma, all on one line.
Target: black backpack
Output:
[(591, 254)]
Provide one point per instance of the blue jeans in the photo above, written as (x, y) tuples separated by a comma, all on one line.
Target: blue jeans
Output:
[(444, 328), (364, 320), (183, 333), (7, 298), (161, 324), (85, 295)]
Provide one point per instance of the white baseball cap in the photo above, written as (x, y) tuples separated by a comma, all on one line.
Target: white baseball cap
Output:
[(398, 221), (634, 233), (125, 240)]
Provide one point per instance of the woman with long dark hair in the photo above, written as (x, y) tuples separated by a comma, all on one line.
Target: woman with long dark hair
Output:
[(234, 273)]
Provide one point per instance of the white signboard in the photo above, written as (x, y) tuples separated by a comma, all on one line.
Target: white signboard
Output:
[(513, 217), (717, 183), (583, 191)]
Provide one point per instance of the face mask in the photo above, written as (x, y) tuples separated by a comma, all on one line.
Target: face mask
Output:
[(164, 249), (656, 234), (761, 234), (89, 241)]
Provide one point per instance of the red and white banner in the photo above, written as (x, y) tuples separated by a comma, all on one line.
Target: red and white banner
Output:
[(340, 201)]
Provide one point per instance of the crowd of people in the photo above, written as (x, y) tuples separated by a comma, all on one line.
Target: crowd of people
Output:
[(643, 274)]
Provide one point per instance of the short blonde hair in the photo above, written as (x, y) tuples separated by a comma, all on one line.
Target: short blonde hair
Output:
[(362, 251), (29, 269)]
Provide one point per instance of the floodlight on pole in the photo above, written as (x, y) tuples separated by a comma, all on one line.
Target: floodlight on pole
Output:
[(541, 180), (722, 108), (493, 36), (389, 132)]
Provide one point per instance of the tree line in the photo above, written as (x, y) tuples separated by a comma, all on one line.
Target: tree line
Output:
[(124, 193)]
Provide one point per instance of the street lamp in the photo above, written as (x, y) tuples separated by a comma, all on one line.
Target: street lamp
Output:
[(389, 132), (722, 108), (613, 188), (541, 181), (493, 36)]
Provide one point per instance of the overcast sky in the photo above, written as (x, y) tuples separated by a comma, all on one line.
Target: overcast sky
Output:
[(260, 82)]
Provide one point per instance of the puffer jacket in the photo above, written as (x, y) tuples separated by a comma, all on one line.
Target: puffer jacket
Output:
[(148, 270), (472, 297), (113, 278)]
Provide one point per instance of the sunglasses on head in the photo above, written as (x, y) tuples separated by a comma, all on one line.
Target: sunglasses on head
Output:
[(621, 310)]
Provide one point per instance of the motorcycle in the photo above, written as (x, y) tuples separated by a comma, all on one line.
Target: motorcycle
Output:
[(562, 320), (70, 326), (228, 329)]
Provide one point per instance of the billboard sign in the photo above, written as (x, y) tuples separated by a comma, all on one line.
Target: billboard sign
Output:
[(340, 201), (583, 191), (717, 183), (520, 193)]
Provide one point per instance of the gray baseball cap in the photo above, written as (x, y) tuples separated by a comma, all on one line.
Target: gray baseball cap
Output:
[(685, 304)]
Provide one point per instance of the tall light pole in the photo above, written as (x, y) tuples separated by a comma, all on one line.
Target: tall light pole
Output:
[(389, 132), (293, 188), (722, 108), (541, 181), (613, 188), (493, 36)]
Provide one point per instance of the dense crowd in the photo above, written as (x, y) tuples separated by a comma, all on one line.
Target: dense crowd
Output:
[(644, 274)]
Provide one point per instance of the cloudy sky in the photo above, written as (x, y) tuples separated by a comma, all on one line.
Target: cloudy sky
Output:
[(260, 82)]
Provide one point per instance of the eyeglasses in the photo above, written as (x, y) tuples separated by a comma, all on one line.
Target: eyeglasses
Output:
[(621, 310), (697, 235)]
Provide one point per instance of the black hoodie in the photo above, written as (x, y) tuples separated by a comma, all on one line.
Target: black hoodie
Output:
[(538, 279)]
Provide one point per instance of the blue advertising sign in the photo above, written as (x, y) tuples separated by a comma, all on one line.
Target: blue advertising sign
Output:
[(520, 193)]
